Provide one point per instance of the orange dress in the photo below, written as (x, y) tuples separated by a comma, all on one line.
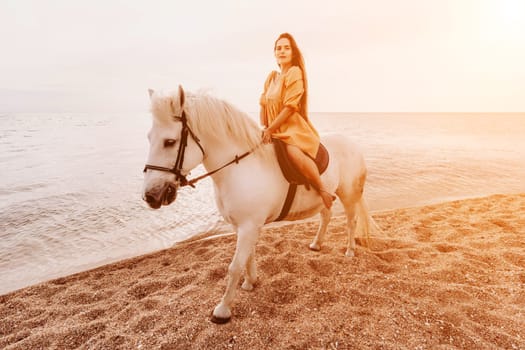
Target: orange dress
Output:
[(286, 90)]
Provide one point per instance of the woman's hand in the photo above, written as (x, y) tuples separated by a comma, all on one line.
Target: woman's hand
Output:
[(267, 136)]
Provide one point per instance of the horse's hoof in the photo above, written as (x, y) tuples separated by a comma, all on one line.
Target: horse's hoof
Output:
[(247, 286), (221, 314), (220, 320), (315, 247), (349, 254)]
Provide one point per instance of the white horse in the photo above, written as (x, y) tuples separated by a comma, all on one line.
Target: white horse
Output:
[(190, 129)]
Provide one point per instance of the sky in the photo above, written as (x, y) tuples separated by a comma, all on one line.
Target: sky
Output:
[(361, 56)]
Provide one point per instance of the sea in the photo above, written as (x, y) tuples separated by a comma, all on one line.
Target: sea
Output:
[(70, 184)]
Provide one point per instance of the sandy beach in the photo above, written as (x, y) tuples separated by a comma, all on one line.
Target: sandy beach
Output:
[(446, 276)]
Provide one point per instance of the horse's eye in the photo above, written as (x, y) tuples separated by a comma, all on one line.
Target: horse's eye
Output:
[(169, 143)]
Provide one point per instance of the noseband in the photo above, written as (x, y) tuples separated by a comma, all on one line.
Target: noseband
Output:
[(177, 168)]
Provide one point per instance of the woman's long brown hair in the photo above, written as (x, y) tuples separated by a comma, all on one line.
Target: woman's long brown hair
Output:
[(297, 60)]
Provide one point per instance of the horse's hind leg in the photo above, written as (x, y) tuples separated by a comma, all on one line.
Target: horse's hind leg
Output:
[(350, 200), (326, 215), (350, 230)]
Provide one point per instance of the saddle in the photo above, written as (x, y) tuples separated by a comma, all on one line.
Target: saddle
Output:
[(293, 175)]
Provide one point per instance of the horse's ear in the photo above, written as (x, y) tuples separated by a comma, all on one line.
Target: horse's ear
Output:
[(181, 96), (150, 92)]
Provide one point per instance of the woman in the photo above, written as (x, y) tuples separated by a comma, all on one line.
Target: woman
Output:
[(284, 112)]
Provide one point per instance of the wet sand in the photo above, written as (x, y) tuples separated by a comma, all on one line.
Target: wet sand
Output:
[(446, 276)]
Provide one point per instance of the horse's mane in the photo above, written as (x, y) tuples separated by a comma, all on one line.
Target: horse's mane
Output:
[(219, 119), (211, 117)]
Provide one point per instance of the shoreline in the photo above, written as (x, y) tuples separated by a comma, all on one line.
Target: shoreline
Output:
[(444, 275), (222, 228)]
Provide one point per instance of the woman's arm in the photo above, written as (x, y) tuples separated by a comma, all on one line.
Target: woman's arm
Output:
[(285, 113), (262, 117)]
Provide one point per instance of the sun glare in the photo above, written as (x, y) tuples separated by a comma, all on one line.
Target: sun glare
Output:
[(504, 21), (512, 11)]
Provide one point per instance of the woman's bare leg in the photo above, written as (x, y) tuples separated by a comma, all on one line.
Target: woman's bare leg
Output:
[(309, 169)]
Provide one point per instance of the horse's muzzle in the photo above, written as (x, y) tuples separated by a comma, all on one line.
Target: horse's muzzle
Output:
[(164, 196)]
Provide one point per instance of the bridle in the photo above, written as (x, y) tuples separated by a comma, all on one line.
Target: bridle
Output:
[(177, 168)]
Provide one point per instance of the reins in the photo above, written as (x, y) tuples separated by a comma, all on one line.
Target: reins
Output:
[(177, 168), (235, 160)]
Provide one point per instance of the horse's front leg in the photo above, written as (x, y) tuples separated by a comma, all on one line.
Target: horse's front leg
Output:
[(244, 257), (251, 272)]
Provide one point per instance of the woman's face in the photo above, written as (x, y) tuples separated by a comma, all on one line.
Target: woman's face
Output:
[(283, 52)]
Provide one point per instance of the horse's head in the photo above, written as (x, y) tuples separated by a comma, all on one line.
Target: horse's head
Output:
[(174, 149)]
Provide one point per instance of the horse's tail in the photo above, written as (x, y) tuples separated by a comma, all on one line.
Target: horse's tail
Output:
[(365, 223)]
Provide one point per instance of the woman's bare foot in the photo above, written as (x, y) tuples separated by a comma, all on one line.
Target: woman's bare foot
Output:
[(328, 199)]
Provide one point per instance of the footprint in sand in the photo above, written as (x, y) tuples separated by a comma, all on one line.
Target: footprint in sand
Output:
[(146, 323), (515, 259), (94, 314), (445, 248), (281, 291), (183, 280), (144, 289)]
